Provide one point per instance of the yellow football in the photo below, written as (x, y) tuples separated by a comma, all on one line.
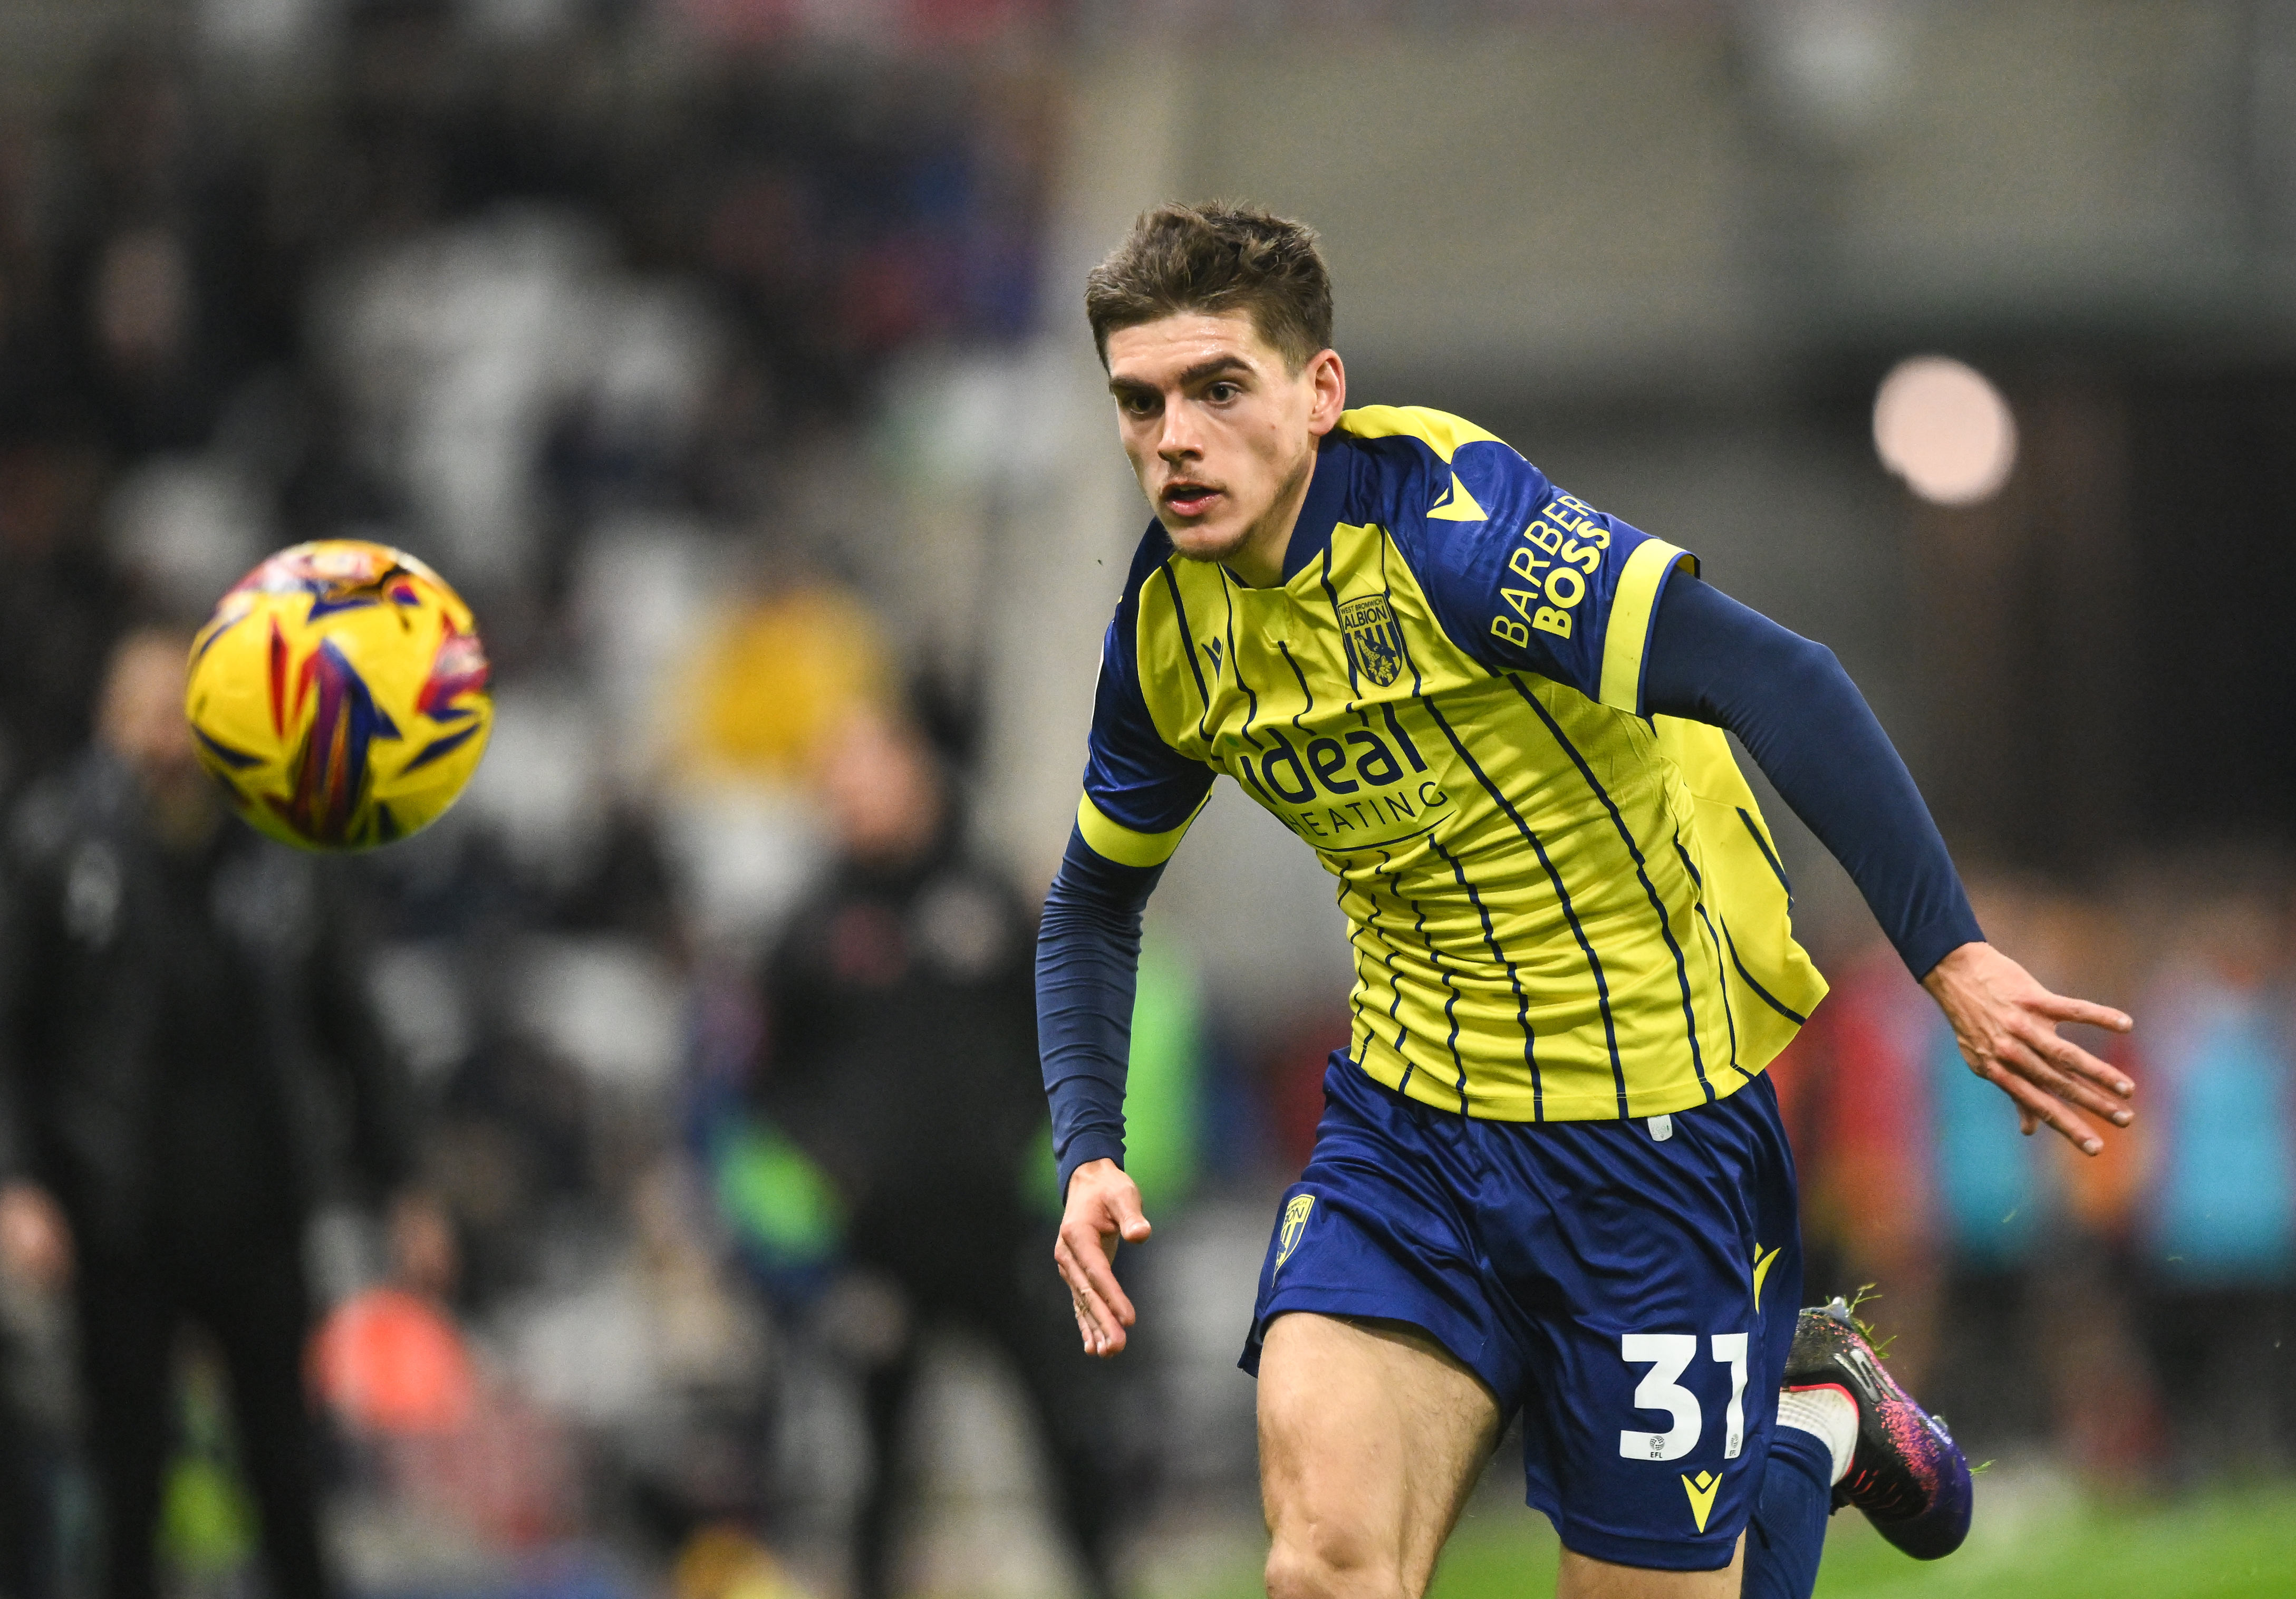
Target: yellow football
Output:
[(339, 692)]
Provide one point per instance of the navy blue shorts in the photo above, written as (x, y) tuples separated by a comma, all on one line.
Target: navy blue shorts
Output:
[(1630, 1286)]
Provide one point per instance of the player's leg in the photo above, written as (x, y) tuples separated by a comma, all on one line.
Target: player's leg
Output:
[(1387, 1362), (1371, 1437), (1786, 1536)]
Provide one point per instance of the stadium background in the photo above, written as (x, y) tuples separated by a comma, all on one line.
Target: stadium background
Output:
[(726, 355)]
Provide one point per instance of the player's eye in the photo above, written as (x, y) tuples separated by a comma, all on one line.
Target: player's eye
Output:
[(1220, 393)]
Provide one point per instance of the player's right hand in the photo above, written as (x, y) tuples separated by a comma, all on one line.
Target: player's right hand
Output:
[(1104, 1207)]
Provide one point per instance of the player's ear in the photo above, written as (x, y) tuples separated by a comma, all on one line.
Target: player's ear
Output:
[(1329, 378)]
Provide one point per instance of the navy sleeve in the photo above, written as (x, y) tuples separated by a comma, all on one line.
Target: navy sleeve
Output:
[(1140, 794), (1713, 659), (1088, 968)]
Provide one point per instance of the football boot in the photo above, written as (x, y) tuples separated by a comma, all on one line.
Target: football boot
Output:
[(1908, 1474)]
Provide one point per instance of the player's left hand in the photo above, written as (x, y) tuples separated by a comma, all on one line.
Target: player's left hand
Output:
[(2007, 1023)]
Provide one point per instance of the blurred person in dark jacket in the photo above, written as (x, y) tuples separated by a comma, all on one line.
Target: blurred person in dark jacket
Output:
[(59, 604), (185, 1033), (900, 1056)]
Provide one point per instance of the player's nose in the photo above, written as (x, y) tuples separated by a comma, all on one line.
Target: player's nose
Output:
[(1178, 438)]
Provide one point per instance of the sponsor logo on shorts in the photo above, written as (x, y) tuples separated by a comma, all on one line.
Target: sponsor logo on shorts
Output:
[(1701, 1489), (1295, 1223)]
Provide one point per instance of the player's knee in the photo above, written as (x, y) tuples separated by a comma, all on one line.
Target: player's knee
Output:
[(1330, 1563)]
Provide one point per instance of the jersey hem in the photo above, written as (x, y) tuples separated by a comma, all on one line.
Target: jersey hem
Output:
[(1523, 1105)]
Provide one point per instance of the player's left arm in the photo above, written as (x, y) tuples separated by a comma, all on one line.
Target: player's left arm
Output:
[(1546, 583), (1799, 716)]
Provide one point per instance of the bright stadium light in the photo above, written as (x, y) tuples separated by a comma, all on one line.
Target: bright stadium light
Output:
[(1941, 426)]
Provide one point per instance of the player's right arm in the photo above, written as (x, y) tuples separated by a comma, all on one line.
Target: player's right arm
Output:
[(1139, 796)]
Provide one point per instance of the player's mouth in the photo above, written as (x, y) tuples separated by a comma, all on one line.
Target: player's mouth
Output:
[(1188, 499)]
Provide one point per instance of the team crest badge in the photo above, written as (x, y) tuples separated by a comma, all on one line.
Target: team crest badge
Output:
[(1295, 1221), (1374, 638)]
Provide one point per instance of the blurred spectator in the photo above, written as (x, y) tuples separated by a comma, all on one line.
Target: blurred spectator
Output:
[(1855, 1087), (1995, 1208), (2221, 1231), (34, 1435), (58, 603), (1921, 1188), (160, 281), (771, 689), (901, 1057), (171, 987)]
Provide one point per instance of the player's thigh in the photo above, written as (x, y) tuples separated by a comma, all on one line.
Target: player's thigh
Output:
[(1371, 1437), (1583, 1576)]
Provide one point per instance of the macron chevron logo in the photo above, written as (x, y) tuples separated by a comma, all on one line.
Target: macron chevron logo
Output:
[(1455, 504), (1701, 1489)]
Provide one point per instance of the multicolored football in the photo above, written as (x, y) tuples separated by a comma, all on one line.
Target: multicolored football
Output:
[(339, 692)]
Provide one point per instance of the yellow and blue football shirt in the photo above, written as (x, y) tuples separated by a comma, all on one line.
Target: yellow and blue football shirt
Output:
[(1562, 908)]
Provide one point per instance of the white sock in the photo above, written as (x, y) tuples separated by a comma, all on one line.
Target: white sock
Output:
[(1828, 1412)]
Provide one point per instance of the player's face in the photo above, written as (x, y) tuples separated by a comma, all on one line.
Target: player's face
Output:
[(1222, 433)]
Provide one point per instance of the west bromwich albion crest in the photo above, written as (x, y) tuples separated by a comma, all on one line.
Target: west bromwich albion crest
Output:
[(1295, 1221), (1374, 638)]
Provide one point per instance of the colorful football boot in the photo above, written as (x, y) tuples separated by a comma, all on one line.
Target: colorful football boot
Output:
[(1906, 1474)]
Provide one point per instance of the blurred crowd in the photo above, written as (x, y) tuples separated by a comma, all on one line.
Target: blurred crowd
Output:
[(613, 332), (638, 1280), (2135, 1311)]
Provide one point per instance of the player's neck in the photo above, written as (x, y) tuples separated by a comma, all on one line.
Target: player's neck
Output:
[(1258, 560)]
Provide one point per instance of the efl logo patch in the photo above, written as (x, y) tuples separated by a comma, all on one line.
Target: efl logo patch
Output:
[(1374, 638), (1701, 1489), (1295, 1223)]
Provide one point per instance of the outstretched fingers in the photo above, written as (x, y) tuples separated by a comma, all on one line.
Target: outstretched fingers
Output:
[(1103, 1310), (2036, 1108), (2070, 1057), (2062, 1007), (2064, 1069)]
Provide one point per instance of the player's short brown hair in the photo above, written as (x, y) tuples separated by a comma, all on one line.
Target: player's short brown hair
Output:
[(1215, 258)]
